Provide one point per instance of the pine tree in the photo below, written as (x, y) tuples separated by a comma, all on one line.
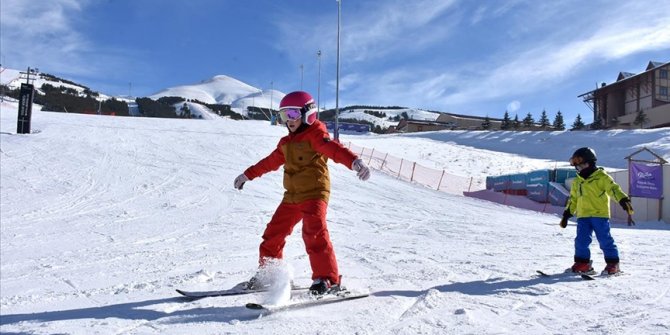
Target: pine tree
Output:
[(558, 121), (528, 121), (185, 111), (578, 124), (544, 120), (506, 122), (641, 119), (487, 123), (516, 124)]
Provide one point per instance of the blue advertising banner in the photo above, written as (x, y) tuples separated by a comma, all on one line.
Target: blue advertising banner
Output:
[(537, 184), (646, 181)]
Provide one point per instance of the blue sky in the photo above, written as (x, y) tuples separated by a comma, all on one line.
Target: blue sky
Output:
[(469, 57)]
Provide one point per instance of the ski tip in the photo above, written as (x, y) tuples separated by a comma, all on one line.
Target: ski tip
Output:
[(184, 295), (587, 277), (542, 273), (252, 305)]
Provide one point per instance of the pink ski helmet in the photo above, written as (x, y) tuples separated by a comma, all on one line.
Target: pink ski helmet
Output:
[(302, 101)]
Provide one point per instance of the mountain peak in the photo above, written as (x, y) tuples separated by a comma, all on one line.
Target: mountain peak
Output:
[(221, 89)]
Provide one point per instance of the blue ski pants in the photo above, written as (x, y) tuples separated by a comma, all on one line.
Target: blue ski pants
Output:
[(601, 226)]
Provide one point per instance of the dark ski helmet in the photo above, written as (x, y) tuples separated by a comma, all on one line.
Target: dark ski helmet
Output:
[(583, 155), (302, 101)]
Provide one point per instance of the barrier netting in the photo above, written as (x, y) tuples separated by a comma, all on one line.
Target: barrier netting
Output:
[(414, 172)]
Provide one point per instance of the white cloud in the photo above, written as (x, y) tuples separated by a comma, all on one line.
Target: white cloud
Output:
[(374, 31), (550, 61), (514, 106), (42, 35)]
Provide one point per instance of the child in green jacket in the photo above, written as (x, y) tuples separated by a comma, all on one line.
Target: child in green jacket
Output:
[(589, 201)]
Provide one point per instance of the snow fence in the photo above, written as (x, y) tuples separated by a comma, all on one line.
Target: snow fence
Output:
[(414, 172), (543, 191)]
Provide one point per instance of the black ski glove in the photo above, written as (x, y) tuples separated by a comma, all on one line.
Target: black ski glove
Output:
[(564, 220), (626, 205)]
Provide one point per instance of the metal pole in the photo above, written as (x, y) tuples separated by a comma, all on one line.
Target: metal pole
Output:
[(337, 80), (318, 85)]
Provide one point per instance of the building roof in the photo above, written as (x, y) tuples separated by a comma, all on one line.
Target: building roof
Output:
[(653, 65), (623, 76)]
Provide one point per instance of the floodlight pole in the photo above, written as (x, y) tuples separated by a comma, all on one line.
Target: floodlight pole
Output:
[(336, 132), (318, 85), (302, 74)]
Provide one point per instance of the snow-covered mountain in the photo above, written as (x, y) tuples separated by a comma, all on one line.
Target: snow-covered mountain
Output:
[(222, 89), (13, 79)]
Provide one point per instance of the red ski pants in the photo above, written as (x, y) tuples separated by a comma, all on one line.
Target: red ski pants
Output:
[(314, 233)]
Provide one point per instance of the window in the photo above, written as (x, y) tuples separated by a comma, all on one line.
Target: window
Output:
[(663, 90), (664, 74)]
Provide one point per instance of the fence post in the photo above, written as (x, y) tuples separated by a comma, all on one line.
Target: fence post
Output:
[(470, 186), (413, 168), (440, 182), (384, 161), (400, 169), (371, 154)]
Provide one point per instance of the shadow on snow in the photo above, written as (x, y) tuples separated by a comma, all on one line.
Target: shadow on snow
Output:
[(139, 311), (489, 286)]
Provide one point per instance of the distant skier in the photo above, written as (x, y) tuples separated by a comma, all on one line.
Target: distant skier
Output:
[(589, 200), (304, 153)]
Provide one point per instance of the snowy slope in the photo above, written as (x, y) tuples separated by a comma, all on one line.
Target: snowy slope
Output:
[(468, 153), (103, 217), (386, 122), (12, 78)]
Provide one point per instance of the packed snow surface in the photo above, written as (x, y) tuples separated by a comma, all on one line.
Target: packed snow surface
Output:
[(102, 218)]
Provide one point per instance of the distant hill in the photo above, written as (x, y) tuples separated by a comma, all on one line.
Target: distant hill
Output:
[(222, 89), (220, 95)]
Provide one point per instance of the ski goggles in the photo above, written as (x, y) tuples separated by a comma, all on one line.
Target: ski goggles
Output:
[(579, 163), (574, 161), (289, 114)]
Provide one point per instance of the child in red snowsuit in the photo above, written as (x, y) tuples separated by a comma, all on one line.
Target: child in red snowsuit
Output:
[(304, 153)]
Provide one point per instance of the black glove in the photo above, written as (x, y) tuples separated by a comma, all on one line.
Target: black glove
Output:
[(564, 220), (626, 205)]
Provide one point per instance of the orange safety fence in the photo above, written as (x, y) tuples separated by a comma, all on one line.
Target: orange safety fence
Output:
[(414, 172)]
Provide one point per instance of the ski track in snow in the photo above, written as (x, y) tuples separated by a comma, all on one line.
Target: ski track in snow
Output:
[(103, 218)]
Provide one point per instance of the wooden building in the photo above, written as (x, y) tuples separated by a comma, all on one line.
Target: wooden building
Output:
[(617, 105)]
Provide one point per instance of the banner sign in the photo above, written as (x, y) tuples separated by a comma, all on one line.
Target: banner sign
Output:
[(25, 109), (537, 184), (361, 128), (646, 181)]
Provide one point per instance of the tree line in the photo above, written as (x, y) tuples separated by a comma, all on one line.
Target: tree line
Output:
[(529, 122)]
